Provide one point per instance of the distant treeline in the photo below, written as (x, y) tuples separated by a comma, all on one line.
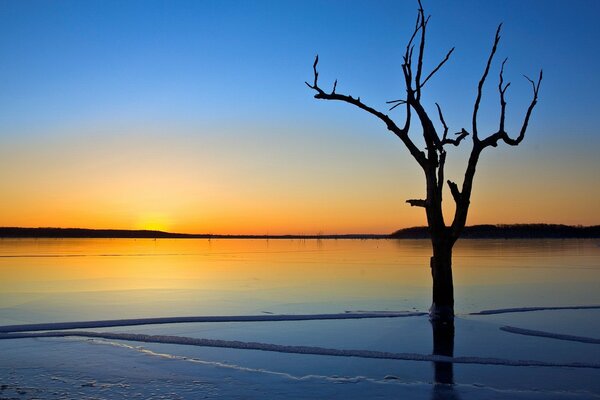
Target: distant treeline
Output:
[(519, 231), (84, 233), (15, 232)]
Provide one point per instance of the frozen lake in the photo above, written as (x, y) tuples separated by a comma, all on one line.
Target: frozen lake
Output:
[(545, 353)]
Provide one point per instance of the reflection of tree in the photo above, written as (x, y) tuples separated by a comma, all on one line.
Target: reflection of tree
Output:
[(443, 372)]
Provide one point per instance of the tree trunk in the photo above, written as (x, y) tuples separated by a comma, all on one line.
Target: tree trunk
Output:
[(443, 345), (442, 307)]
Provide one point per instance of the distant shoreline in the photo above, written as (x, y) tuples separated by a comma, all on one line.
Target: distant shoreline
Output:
[(517, 231), (513, 231)]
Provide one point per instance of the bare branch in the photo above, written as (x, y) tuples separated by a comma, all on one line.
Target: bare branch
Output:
[(390, 124), (409, 45), (530, 81), (482, 81), (398, 102), (493, 139), (417, 203), (502, 90), (536, 89), (407, 124), (432, 140), (440, 180), (461, 135), (445, 140), (438, 67), (462, 197), (455, 192), (421, 50), (442, 121), (407, 65), (315, 85)]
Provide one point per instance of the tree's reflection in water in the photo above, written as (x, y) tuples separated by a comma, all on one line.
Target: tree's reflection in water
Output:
[(443, 372)]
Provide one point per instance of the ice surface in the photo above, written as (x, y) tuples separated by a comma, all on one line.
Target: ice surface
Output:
[(251, 278), (189, 341), (67, 369), (216, 318)]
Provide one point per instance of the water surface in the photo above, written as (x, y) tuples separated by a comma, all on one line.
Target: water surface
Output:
[(52, 280), (46, 280)]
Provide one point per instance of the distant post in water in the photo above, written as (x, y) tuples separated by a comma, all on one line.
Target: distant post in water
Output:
[(432, 158)]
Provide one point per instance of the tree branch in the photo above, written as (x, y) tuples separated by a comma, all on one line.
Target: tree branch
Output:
[(430, 135), (390, 124), (421, 51), (417, 203), (432, 140), (461, 135), (442, 121), (482, 81), (455, 192), (535, 88), (462, 208), (440, 178), (397, 103), (315, 84), (501, 91), (493, 139), (407, 65), (436, 69)]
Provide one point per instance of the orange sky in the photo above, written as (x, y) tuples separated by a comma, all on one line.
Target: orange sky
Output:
[(269, 180)]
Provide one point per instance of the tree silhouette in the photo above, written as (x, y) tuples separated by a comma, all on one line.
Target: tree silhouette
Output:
[(432, 159)]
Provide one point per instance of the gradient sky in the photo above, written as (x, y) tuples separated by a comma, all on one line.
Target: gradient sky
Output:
[(194, 117)]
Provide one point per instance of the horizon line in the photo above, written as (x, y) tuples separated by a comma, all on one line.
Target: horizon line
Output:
[(479, 230)]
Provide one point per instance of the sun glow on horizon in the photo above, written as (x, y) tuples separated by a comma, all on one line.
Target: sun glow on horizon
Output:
[(154, 222)]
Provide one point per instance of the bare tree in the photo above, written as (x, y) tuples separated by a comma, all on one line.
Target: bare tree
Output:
[(432, 159)]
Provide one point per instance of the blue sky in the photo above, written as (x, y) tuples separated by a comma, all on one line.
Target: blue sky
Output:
[(102, 59), (220, 71)]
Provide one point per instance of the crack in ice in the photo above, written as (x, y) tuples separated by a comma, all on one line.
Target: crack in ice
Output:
[(234, 344), (550, 335), (216, 318), (528, 309)]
